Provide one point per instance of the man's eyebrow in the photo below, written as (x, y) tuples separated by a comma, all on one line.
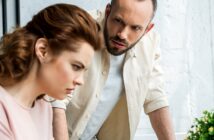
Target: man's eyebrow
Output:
[(123, 22)]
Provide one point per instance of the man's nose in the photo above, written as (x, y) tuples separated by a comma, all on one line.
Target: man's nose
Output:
[(123, 33)]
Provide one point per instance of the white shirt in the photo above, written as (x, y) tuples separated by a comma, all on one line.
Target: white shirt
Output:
[(111, 93)]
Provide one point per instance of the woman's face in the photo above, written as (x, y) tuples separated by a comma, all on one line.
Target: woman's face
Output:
[(61, 74)]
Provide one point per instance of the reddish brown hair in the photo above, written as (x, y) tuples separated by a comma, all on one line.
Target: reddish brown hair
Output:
[(61, 24)]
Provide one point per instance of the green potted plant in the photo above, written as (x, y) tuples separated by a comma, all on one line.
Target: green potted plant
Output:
[(203, 128)]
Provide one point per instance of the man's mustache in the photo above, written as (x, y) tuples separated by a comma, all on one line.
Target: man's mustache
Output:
[(118, 39)]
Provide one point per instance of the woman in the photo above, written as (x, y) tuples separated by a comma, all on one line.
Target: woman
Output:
[(47, 56)]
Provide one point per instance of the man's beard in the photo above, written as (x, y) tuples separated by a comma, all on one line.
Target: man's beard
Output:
[(114, 51)]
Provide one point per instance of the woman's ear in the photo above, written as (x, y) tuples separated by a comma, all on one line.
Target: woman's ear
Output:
[(41, 50)]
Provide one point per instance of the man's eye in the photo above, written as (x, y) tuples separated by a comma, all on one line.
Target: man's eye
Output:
[(136, 28), (117, 20), (76, 67)]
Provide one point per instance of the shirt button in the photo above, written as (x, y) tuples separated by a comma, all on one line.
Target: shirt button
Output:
[(104, 72)]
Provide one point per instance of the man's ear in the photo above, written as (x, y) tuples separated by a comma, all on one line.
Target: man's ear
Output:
[(108, 10), (149, 27), (41, 49)]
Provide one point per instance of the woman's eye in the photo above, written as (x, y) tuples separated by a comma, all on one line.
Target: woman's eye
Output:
[(76, 67)]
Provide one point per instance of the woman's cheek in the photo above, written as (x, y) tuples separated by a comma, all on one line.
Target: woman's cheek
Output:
[(64, 74)]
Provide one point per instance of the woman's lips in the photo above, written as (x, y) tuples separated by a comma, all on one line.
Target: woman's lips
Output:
[(69, 91)]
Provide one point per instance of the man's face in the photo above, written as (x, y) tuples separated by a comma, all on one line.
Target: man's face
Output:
[(126, 22)]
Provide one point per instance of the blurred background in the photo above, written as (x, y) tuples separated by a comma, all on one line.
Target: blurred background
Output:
[(186, 28)]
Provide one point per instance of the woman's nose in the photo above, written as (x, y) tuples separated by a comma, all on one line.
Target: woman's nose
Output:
[(79, 80)]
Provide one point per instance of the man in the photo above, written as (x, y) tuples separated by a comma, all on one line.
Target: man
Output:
[(124, 77)]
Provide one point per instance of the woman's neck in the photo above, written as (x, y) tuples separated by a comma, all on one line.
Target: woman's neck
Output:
[(27, 90), (24, 92)]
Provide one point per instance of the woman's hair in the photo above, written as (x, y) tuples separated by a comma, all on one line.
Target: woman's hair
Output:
[(63, 25)]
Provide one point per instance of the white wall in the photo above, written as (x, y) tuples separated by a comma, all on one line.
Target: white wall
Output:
[(187, 31), (27, 10), (186, 28)]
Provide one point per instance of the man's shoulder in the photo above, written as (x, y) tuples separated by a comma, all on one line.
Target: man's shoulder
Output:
[(148, 43), (152, 39), (152, 35)]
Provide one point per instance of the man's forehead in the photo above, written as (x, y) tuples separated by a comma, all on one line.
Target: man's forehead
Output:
[(136, 6), (131, 2), (134, 12)]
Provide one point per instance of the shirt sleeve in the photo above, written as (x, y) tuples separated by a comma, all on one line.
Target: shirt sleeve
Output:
[(5, 132), (156, 97), (62, 103)]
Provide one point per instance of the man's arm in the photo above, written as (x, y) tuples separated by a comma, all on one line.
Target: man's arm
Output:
[(162, 124), (60, 130)]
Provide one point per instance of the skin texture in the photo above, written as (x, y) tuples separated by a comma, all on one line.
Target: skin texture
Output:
[(126, 22), (60, 130), (122, 32), (67, 67), (47, 56), (162, 124)]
